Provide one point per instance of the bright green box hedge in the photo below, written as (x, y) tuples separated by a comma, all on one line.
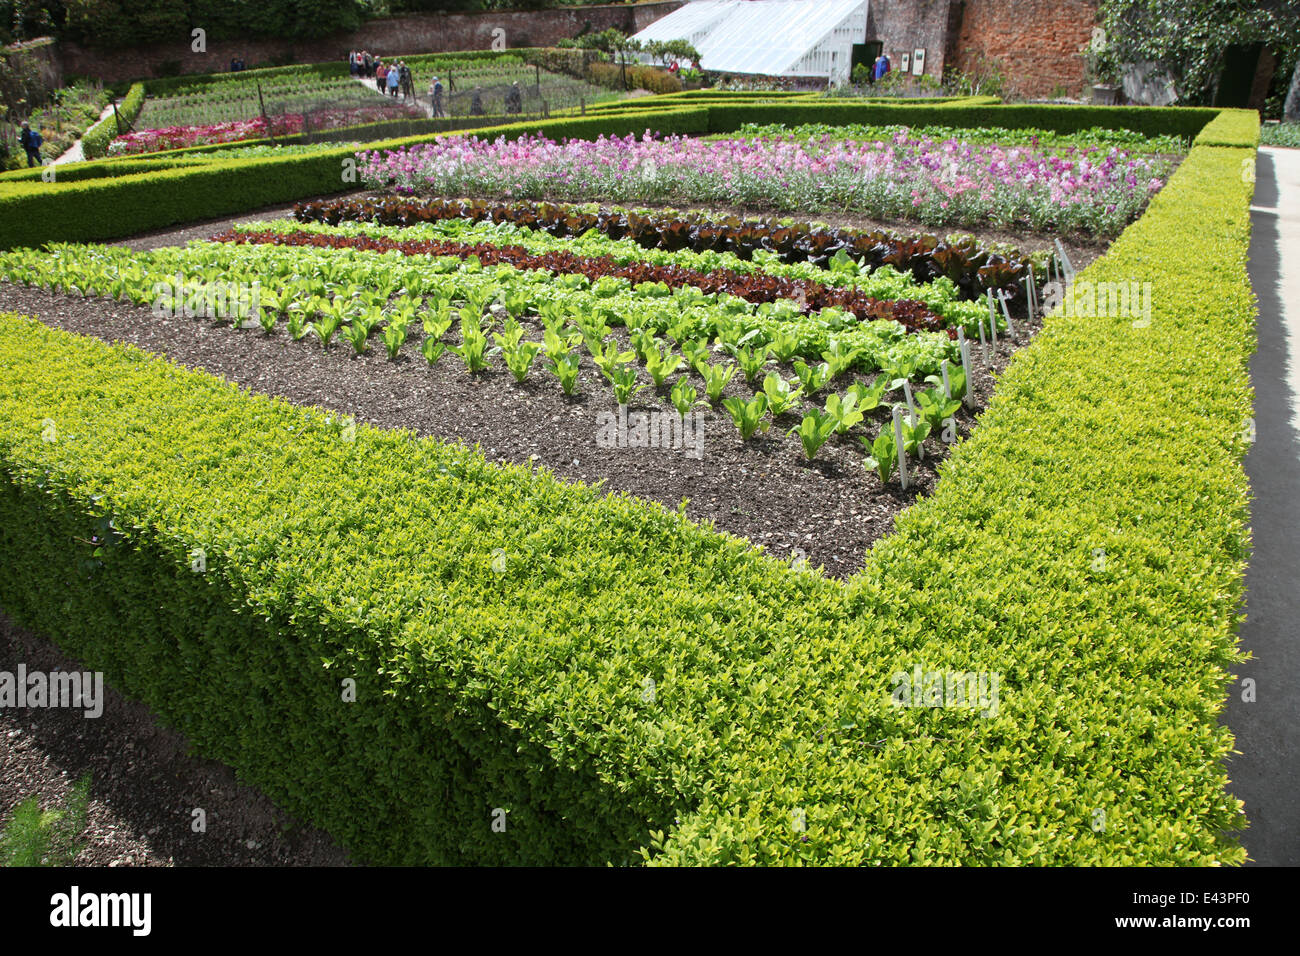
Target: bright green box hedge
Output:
[(631, 680)]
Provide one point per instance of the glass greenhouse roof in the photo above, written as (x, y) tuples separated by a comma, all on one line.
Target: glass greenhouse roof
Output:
[(757, 36)]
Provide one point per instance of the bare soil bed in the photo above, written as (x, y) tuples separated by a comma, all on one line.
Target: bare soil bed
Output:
[(827, 512)]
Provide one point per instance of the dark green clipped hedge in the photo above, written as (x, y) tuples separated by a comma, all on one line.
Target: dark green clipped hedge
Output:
[(1150, 121)]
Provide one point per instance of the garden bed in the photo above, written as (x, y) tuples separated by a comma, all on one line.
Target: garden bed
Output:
[(763, 490)]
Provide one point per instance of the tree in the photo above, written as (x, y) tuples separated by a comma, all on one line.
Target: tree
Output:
[(1188, 38), (23, 86)]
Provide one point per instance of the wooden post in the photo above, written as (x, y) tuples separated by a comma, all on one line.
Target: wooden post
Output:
[(261, 103), (898, 444), (993, 322), (943, 370), (1006, 314)]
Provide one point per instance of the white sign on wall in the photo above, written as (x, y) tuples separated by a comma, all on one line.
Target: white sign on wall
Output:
[(918, 62)]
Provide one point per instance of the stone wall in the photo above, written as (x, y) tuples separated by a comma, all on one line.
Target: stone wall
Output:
[(422, 33), (903, 26), (1038, 43)]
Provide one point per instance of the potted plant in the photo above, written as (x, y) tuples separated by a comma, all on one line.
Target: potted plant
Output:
[(1102, 70)]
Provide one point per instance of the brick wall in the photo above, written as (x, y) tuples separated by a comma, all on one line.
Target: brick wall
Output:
[(1037, 42), (903, 26), (425, 33)]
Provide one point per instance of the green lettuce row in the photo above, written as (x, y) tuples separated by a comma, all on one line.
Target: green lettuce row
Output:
[(941, 295), (299, 273)]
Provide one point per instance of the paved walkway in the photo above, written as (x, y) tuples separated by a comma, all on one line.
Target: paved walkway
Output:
[(1266, 775), (74, 153), (369, 83)]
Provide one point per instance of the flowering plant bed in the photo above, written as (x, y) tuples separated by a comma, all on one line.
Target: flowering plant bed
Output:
[(283, 124), (948, 183)]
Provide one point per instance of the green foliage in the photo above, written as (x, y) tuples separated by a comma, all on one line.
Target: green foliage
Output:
[(748, 416), (816, 427), (781, 396), (523, 689), (882, 454), (660, 365), (813, 378), (519, 358), (716, 378), (844, 412), (684, 396), (565, 368), (36, 837)]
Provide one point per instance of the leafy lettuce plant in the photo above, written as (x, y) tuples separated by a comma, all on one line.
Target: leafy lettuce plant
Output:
[(623, 379), (781, 395), (358, 335), (752, 361), (813, 378), (519, 358), (844, 412), (565, 368), (813, 431), (684, 396), (432, 350), (716, 378), (882, 454), (660, 365), (748, 416), (935, 407), (394, 338)]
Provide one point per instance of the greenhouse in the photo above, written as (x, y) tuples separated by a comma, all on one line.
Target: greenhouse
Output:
[(769, 37)]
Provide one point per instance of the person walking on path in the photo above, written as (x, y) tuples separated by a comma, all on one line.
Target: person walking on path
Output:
[(381, 75), (30, 140), (408, 83), (514, 99), (393, 78), (435, 94), (882, 67)]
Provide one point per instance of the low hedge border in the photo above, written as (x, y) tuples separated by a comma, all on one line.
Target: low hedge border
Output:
[(632, 680)]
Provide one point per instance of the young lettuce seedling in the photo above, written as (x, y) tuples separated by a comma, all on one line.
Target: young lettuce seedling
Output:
[(814, 430), (716, 378), (565, 368), (882, 454), (684, 396), (781, 396), (748, 415)]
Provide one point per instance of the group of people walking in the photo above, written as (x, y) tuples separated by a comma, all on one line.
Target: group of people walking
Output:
[(395, 78)]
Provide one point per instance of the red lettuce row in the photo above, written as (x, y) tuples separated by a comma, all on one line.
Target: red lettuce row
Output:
[(756, 287), (972, 267)]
